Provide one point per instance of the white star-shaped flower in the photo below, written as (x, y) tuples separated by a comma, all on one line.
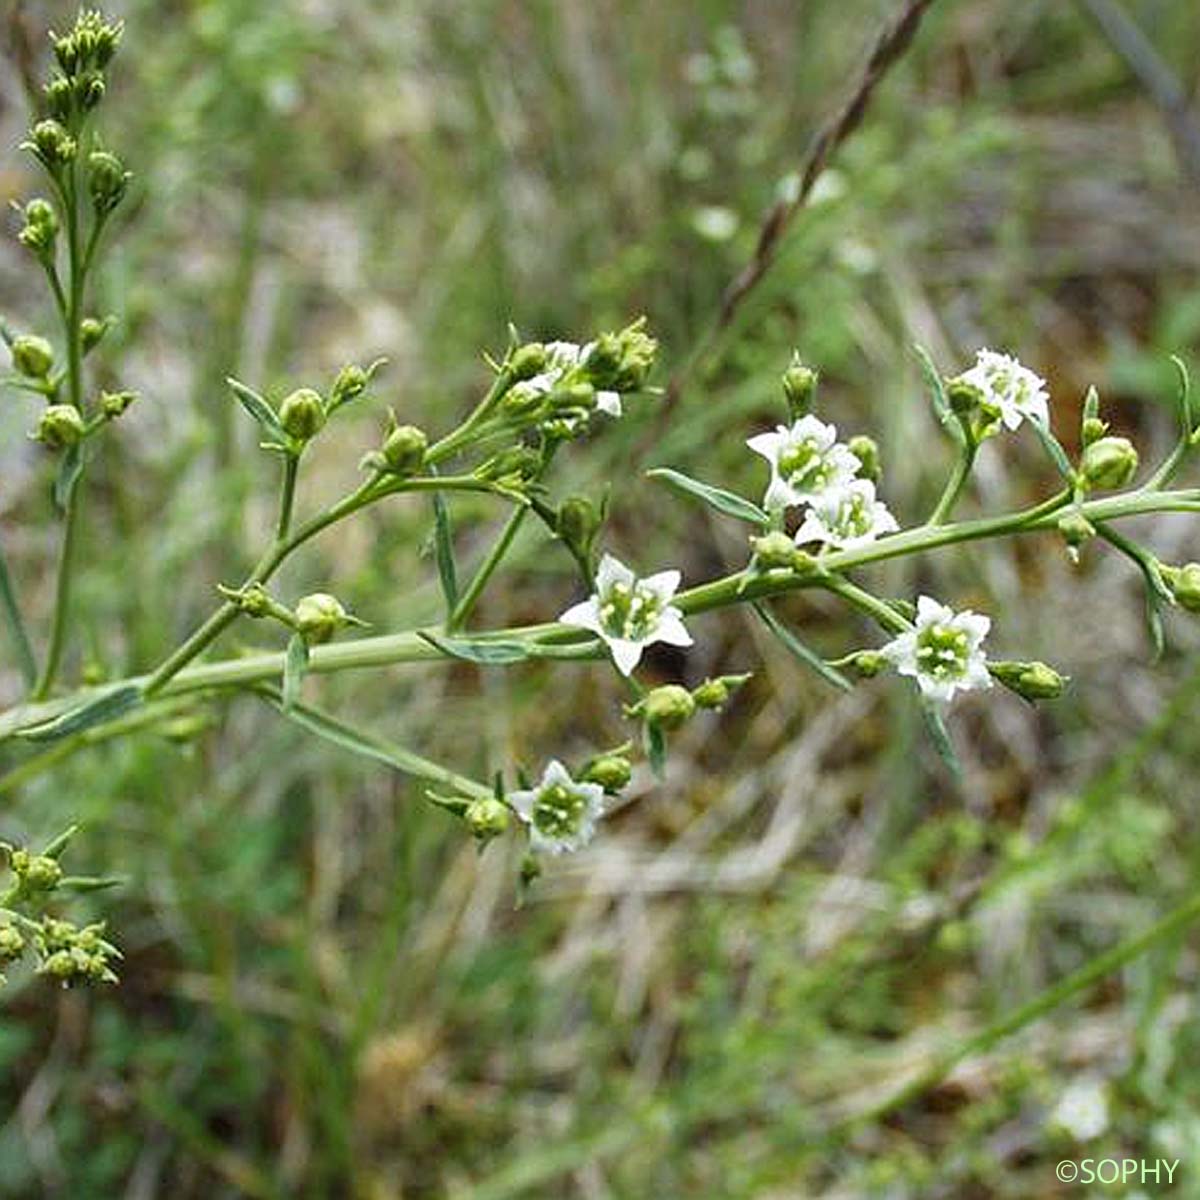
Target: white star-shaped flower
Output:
[(944, 652), (1014, 390), (630, 613), (806, 461), (847, 517), (561, 813)]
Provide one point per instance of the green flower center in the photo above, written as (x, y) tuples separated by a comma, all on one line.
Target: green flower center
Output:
[(804, 466), (942, 652), (853, 518), (558, 810), (630, 612)]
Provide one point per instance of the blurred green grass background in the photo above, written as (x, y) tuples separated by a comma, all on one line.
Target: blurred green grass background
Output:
[(326, 992)]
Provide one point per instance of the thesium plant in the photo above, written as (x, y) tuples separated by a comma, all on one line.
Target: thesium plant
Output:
[(597, 601), (821, 523)]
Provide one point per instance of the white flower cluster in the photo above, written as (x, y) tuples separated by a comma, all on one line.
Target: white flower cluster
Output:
[(809, 466), (561, 359), (1012, 391)]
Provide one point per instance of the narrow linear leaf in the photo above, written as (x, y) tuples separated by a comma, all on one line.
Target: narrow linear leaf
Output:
[(935, 723), (725, 502), (95, 712), (68, 475), (1053, 448), (805, 654), (88, 883), (1183, 394), (368, 746), (477, 650), (443, 551), (295, 666), (933, 381), (259, 409)]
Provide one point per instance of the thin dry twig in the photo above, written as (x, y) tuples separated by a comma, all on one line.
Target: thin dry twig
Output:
[(889, 47), (1128, 41)]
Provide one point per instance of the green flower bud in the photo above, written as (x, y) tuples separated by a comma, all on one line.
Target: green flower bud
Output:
[(59, 965), (1032, 680), (302, 414), (774, 550), (351, 381), (41, 227), (107, 180), (611, 771), (527, 361), (519, 463), (577, 524), (42, 873), (714, 693), (1184, 583), (52, 144), (668, 707), (1092, 430), (60, 426), (866, 450), (963, 397), (866, 664), (531, 869), (60, 98), (253, 600), (404, 450), (621, 362), (580, 395), (12, 944), (522, 401), (113, 404), (487, 818), (32, 356), (1075, 529), (799, 387), (90, 91), (1109, 462), (92, 331), (319, 616)]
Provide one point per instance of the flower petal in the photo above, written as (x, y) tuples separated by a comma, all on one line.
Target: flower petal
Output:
[(626, 654), (612, 570), (671, 629), (585, 615)]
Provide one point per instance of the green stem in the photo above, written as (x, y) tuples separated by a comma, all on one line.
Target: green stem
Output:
[(72, 317), (878, 610), (720, 593), (367, 493), (958, 478), (479, 581), (62, 595), (1101, 966), (287, 497), (16, 624), (1170, 466)]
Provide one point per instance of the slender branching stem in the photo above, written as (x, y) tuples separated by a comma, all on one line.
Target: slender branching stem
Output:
[(479, 581), (739, 587), (72, 316)]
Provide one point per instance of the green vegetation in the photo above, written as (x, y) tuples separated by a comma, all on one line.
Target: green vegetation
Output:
[(832, 943)]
